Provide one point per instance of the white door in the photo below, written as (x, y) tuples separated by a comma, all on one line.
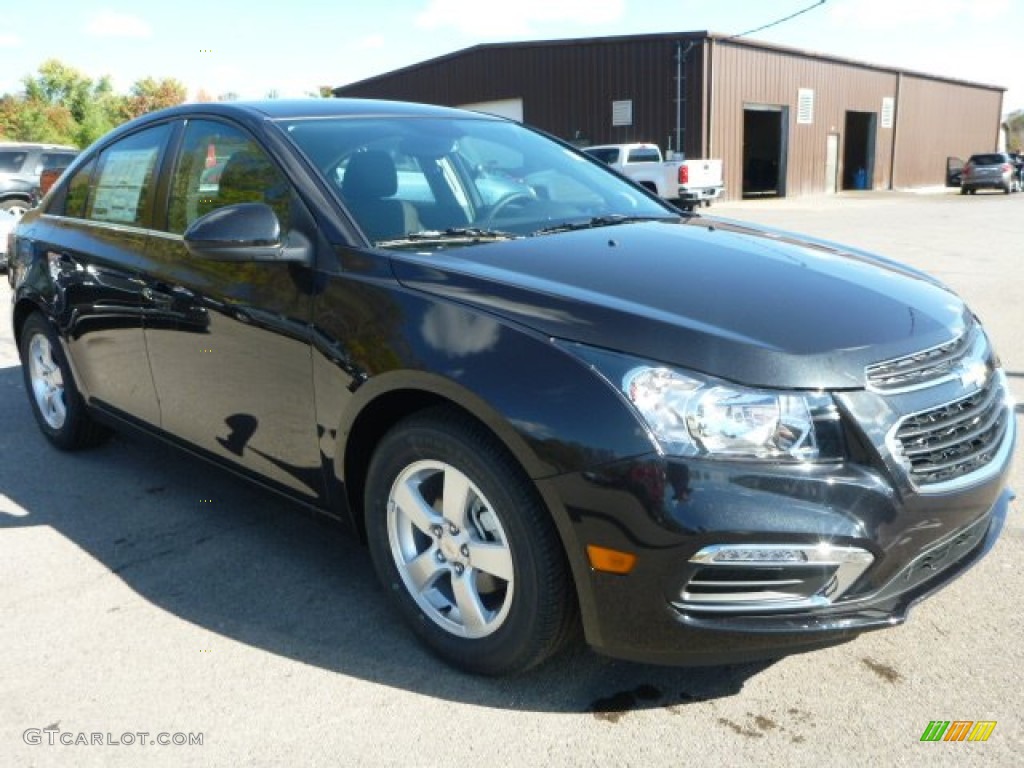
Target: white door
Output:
[(832, 164)]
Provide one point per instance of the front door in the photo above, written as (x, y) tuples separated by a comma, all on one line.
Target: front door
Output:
[(231, 352)]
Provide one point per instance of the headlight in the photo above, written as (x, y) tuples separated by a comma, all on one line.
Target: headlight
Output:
[(694, 415)]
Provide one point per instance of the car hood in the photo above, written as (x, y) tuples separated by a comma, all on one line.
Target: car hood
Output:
[(759, 307)]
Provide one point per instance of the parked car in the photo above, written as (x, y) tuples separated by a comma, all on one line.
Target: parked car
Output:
[(52, 170), (20, 167), (686, 183), (7, 222), (704, 441), (991, 170)]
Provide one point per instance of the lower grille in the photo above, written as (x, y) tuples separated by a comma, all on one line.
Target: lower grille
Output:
[(758, 578), (955, 439)]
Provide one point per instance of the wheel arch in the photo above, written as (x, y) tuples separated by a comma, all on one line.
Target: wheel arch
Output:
[(22, 309), (385, 401)]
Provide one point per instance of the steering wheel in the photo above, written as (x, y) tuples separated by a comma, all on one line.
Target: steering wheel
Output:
[(504, 203)]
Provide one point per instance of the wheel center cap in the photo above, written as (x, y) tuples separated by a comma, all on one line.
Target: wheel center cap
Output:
[(451, 549)]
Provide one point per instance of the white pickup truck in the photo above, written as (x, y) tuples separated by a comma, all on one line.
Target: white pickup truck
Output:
[(686, 183)]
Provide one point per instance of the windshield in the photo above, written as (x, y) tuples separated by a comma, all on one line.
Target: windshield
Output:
[(468, 180)]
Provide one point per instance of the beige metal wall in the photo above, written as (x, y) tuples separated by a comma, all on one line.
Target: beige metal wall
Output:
[(939, 119), (744, 75)]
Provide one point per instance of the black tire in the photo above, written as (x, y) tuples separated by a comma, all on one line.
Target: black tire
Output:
[(513, 621), (963, 190), (56, 402)]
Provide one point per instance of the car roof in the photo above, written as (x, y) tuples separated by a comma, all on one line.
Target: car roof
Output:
[(280, 109), (252, 112)]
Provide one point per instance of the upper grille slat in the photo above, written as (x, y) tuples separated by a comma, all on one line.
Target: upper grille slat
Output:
[(921, 368), (955, 439)]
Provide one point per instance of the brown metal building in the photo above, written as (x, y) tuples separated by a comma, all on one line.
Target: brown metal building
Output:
[(784, 121)]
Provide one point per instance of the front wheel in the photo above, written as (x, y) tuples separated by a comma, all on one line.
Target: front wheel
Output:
[(465, 548), (56, 402)]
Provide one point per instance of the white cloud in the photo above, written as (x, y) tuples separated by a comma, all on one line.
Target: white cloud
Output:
[(518, 17), (107, 23), (877, 14), (7, 40)]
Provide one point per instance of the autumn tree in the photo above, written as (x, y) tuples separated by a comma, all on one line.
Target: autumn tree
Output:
[(61, 105), (149, 95)]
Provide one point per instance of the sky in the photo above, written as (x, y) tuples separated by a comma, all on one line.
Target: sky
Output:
[(253, 48)]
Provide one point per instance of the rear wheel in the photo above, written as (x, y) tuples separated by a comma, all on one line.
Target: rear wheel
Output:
[(56, 402), (464, 547)]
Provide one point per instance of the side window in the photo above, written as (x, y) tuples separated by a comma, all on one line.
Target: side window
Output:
[(78, 191), (125, 176), (11, 161), (220, 165)]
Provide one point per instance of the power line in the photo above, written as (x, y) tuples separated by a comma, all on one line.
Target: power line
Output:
[(778, 21)]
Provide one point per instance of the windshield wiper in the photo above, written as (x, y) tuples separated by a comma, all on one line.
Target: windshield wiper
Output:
[(609, 220), (452, 235)]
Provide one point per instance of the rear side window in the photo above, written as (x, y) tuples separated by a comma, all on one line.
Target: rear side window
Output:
[(11, 161), (124, 181), (55, 160), (604, 155)]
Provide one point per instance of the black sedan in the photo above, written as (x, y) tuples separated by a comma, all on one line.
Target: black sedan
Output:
[(543, 397)]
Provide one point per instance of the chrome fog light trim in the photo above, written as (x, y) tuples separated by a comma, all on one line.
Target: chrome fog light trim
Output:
[(756, 578)]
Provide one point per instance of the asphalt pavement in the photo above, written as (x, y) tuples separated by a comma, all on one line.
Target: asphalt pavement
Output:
[(156, 611)]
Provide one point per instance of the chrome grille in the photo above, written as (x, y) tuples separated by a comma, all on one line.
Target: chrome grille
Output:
[(955, 439), (922, 368)]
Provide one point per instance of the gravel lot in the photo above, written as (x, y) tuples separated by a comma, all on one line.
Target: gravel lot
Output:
[(143, 592)]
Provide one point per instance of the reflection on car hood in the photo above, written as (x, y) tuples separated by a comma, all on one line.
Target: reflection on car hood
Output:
[(755, 306)]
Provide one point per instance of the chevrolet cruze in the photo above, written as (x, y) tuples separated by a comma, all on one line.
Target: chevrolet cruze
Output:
[(544, 398)]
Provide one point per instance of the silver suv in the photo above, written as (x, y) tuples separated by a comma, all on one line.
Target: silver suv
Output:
[(20, 166), (991, 170)]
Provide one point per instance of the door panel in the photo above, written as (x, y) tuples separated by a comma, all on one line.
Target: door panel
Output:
[(230, 352), (102, 303)]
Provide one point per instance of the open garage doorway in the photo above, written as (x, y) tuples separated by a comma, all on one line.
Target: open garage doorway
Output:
[(765, 138), (859, 150)]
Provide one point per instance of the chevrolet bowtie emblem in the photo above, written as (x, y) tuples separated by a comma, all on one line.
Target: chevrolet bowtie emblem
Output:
[(974, 372)]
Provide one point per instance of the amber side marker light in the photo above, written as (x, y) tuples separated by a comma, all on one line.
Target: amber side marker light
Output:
[(610, 560)]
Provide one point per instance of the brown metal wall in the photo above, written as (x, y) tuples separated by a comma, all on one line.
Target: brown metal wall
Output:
[(745, 75), (569, 86), (566, 86), (938, 120)]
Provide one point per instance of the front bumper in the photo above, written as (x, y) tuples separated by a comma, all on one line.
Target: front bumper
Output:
[(665, 511)]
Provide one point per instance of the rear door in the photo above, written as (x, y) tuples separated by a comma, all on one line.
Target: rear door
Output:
[(102, 222)]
